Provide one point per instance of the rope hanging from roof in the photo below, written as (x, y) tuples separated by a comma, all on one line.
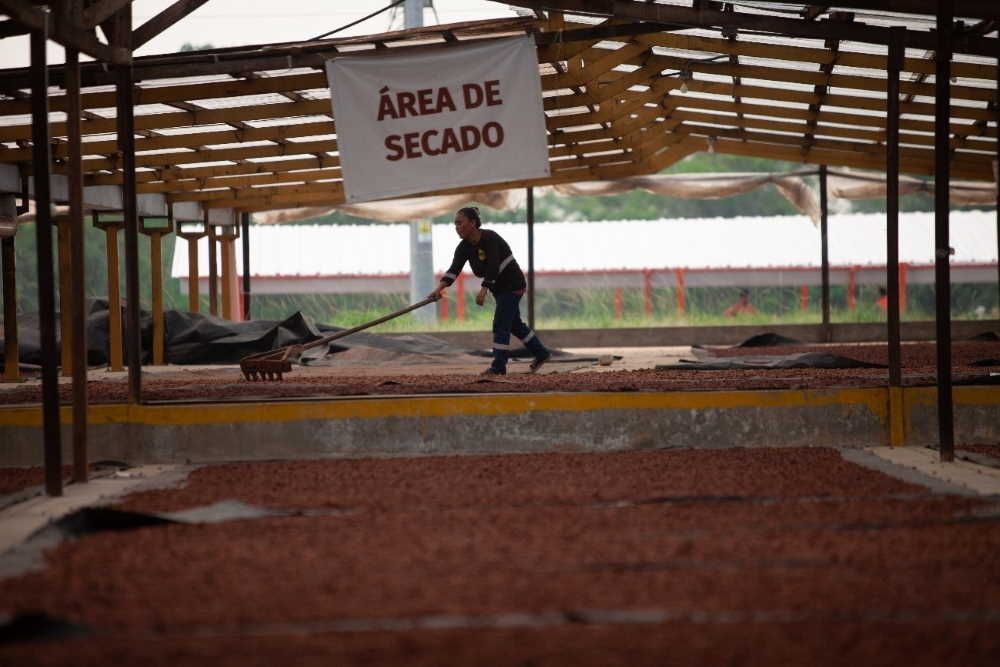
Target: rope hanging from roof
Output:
[(704, 186), (847, 185)]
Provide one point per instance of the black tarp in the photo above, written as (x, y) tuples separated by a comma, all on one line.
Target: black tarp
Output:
[(768, 339), (195, 338), (190, 338), (803, 360)]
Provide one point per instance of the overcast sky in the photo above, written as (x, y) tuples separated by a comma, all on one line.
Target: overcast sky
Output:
[(240, 22)]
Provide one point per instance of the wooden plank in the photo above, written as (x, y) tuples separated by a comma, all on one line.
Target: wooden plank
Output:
[(915, 161), (187, 92), (266, 57), (778, 74), (192, 140), (705, 17), (324, 193), (819, 128), (201, 173), (584, 173), (803, 54), (250, 180)]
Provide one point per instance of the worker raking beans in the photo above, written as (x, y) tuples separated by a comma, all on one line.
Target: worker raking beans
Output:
[(490, 258)]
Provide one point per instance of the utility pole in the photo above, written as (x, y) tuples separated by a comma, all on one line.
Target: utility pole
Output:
[(421, 246)]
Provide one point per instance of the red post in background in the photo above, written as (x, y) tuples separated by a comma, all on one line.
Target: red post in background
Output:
[(902, 287), (804, 297), (460, 297), (647, 293), (619, 306), (679, 273), (852, 285), (443, 313)]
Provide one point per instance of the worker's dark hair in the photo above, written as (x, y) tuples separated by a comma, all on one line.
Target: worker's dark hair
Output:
[(744, 292), (471, 213)]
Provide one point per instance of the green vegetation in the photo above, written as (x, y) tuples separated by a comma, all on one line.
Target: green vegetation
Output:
[(594, 308), (556, 308), (191, 46), (95, 268)]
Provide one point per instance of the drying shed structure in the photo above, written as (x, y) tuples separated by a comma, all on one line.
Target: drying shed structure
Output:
[(629, 88)]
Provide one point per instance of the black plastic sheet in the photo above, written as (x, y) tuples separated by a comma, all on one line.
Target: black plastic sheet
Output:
[(196, 338)]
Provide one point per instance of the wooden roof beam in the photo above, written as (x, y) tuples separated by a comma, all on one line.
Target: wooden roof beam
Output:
[(711, 19), (249, 180), (569, 175), (734, 58), (181, 173), (11, 28), (832, 158), (186, 92), (793, 53), (101, 11), (64, 31), (820, 89), (164, 20), (182, 118), (963, 166)]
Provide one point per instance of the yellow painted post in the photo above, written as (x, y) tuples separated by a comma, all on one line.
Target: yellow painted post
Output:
[(897, 417), (191, 232), (227, 235), (155, 234)]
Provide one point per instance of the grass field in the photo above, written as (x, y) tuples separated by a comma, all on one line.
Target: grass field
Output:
[(596, 309)]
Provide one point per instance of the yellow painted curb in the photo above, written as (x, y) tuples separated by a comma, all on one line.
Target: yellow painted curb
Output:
[(873, 399)]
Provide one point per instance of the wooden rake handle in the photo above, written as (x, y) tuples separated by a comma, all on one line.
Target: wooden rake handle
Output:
[(366, 325)]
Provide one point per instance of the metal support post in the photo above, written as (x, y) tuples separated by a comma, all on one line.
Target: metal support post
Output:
[(77, 296), (126, 145), (942, 268), (245, 224), (531, 256), (213, 269), (824, 253), (41, 166), (896, 53)]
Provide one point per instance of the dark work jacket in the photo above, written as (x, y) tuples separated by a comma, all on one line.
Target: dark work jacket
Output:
[(491, 260)]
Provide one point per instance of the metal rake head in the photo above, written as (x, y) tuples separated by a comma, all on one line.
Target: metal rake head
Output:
[(266, 366)]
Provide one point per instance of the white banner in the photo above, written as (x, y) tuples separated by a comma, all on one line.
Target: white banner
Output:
[(465, 115)]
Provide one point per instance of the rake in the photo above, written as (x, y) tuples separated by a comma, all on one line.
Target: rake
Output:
[(273, 364)]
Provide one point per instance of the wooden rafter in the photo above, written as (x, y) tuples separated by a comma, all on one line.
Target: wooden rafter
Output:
[(164, 20), (255, 139), (101, 11), (64, 31), (710, 18), (833, 45)]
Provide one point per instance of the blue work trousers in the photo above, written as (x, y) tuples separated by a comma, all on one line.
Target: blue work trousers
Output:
[(507, 321)]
